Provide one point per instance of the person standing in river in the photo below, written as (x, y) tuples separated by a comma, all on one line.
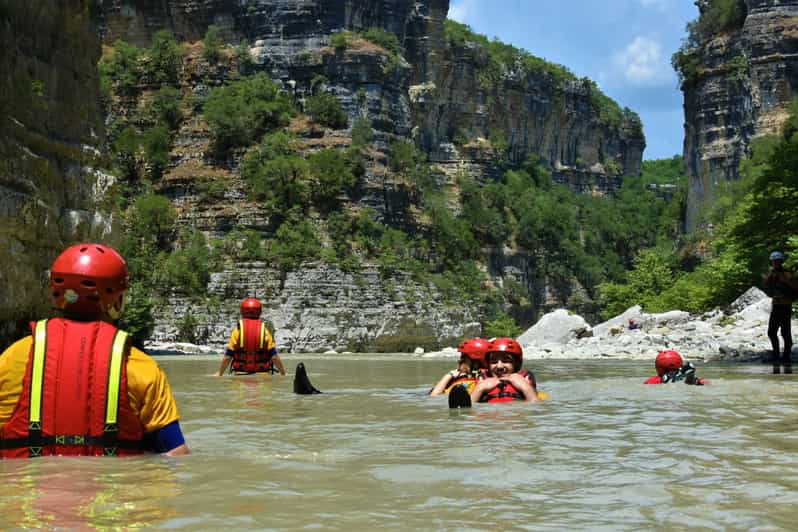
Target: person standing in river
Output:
[(76, 386), (469, 367), (505, 380), (672, 368), (251, 348), (782, 287)]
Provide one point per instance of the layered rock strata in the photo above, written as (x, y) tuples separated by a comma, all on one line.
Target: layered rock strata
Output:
[(321, 308), (746, 80)]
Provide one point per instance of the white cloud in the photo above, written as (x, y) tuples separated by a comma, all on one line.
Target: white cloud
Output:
[(661, 5), (642, 62), (462, 10)]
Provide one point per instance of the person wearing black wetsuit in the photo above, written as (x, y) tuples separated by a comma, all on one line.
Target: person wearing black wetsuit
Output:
[(782, 287)]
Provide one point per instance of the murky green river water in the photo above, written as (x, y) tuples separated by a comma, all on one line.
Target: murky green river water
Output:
[(604, 452)]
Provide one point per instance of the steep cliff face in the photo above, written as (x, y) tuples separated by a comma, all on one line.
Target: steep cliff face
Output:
[(537, 112), (745, 81), (282, 24), (50, 129), (319, 308), (432, 93)]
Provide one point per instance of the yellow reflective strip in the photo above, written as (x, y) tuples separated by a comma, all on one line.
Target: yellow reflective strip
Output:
[(115, 377), (262, 335), (37, 371), (241, 334)]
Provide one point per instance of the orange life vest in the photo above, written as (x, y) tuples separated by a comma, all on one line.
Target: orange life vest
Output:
[(251, 355), (505, 391), (469, 380), (74, 395)]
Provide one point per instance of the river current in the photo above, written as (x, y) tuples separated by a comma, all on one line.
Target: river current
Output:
[(604, 452)]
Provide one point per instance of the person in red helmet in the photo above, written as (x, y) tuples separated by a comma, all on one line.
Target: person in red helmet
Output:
[(505, 379), (76, 386), (467, 373), (251, 347), (671, 367)]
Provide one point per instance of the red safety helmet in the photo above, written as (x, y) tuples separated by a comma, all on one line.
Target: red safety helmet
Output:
[(89, 279), (251, 308), (507, 345), (475, 349), (668, 361)]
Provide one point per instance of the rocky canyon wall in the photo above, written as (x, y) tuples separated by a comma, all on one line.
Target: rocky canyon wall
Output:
[(747, 78), (51, 127)]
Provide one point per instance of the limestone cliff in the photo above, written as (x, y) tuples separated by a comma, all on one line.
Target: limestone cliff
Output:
[(434, 92), (745, 80), (539, 109), (50, 130)]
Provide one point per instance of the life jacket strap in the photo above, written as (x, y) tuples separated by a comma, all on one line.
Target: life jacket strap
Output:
[(69, 440)]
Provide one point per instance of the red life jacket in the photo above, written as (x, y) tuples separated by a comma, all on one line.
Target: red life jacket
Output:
[(74, 395), (506, 392), (251, 355), (656, 379)]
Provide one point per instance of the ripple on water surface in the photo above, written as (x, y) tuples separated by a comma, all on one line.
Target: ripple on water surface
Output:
[(604, 452)]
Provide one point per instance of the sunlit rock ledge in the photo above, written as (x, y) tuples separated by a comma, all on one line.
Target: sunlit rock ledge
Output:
[(738, 333)]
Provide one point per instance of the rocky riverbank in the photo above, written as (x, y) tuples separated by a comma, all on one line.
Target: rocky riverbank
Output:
[(738, 333)]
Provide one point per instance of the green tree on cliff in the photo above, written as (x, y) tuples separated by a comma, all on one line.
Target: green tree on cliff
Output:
[(241, 112)]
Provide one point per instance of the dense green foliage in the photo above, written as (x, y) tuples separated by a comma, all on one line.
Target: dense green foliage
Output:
[(752, 217), (165, 107), (277, 173), (137, 318), (243, 55), (325, 109), (362, 133), (385, 39), (165, 59), (158, 260), (239, 113), (150, 147), (212, 44), (438, 231), (120, 70)]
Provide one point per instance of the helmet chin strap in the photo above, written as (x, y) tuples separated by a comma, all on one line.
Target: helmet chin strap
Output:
[(115, 311)]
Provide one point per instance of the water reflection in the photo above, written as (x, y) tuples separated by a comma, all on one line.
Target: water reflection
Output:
[(86, 494)]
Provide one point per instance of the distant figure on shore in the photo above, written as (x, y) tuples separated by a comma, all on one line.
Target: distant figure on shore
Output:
[(633, 325), (671, 368), (76, 386), (251, 347), (505, 379), (780, 284), (467, 373)]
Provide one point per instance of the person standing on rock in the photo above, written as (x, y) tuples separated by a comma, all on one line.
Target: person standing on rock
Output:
[(251, 347), (76, 386), (782, 287)]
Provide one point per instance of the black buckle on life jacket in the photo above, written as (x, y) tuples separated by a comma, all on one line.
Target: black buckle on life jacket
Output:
[(110, 439), (35, 439)]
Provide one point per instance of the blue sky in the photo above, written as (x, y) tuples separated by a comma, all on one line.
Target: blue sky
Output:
[(623, 45)]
